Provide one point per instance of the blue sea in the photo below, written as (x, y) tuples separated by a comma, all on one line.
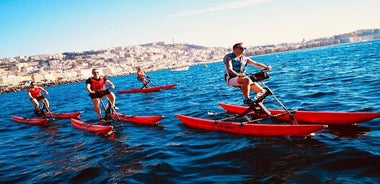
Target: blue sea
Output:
[(335, 78)]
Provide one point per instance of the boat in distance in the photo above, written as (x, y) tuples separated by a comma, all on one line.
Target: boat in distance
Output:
[(179, 69), (147, 90)]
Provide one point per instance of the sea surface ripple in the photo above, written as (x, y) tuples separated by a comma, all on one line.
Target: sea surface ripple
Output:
[(335, 78)]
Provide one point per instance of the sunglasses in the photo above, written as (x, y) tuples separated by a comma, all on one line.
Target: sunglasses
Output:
[(241, 48)]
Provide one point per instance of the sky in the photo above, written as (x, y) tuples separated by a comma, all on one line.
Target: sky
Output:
[(33, 27)]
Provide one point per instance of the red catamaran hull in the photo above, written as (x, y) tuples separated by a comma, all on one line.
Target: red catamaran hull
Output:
[(75, 115), (249, 129), (313, 117), (147, 90), (30, 121), (142, 120), (98, 129)]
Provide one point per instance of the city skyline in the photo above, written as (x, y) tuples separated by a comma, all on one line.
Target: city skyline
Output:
[(40, 27)]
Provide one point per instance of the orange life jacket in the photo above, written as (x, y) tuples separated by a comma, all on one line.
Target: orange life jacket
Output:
[(35, 92), (140, 75), (98, 85)]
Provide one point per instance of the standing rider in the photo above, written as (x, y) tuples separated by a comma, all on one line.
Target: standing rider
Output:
[(141, 77), (95, 85), (235, 64), (34, 93)]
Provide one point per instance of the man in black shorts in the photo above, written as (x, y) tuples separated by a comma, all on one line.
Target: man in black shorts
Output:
[(95, 85), (34, 93)]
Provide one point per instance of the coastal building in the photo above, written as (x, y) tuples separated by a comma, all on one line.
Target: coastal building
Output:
[(74, 66)]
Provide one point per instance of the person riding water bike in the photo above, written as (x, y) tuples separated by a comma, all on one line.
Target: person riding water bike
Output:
[(141, 77), (34, 93), (95, 85), (235, 64)]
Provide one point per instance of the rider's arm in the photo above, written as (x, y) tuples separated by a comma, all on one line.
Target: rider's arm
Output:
[(110, 84), (145, 75), (44, 90), (88, 86), (228, 62), (140, 74), (258, 65), (30, 95)]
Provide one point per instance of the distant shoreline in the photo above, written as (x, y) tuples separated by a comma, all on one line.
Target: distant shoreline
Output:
[(16, 88), (10, 89), (69, 67)]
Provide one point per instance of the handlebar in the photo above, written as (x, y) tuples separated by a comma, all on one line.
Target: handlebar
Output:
[(259, 76)]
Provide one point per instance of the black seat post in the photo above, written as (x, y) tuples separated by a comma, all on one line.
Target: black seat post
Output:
[(259, 108)]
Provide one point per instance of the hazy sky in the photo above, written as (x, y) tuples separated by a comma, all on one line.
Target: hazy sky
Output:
[(31, 27)]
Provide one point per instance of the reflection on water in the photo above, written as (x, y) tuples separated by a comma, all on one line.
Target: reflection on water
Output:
[(348, 131), (324, 79)]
